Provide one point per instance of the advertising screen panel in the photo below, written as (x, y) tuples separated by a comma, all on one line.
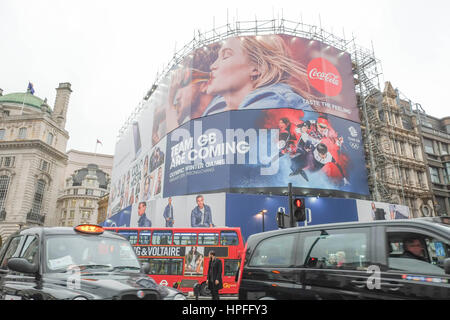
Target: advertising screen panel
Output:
[(255, 149), (246, 86)]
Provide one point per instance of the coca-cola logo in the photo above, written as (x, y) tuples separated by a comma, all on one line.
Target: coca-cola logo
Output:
[(324, 77)]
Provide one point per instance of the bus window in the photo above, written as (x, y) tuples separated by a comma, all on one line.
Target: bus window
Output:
[(230, 267), (229, 238), (144, 237), (166, 266), (187, 239), (162, 237), (208, 239), (131, 235)]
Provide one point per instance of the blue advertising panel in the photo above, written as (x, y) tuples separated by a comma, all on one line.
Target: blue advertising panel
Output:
[(258, 149), (120, 219), (244, 211)]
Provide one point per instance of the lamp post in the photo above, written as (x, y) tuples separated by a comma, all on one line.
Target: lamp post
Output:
[(262, 212)]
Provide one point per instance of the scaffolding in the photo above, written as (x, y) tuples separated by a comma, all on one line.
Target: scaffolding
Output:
[(366, 69)]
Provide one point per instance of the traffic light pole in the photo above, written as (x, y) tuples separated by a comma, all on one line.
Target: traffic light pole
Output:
[(291, 211)]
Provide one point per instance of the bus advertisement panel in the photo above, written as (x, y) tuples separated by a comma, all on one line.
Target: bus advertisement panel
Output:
[(178, 257)]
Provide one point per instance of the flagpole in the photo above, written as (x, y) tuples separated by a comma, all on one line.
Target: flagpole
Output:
[(30, 87), (23, 102)]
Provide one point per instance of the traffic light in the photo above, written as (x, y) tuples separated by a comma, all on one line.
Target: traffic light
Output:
[(299, 209)]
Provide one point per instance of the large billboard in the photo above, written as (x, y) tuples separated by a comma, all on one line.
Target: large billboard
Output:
[(251, 112), (256, 72), (257, 149), (244, 211)]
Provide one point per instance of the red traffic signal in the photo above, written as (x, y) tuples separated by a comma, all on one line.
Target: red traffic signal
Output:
[(299, 209)]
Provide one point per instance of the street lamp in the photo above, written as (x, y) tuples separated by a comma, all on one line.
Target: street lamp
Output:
[(262, 212)]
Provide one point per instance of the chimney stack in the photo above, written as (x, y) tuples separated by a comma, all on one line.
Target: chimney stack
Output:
[(62, 103)]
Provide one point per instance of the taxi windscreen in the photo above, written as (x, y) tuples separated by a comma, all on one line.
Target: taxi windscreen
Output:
[(64, 252)]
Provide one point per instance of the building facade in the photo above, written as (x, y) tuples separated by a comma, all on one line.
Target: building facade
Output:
[(396, 161), (74, 204), (33, 142), (78, 201), (436, 144)]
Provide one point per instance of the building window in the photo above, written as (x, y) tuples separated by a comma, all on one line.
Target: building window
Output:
[(428, 146), (394, 143), (86, 215), (447, 172), (89, 192), (50, 138), (2, 134), (72, 214), (44, 166), (88, 203), (407, 176), (434, 172), (402, 148), (420, 178), (73, 203), (7, 161), (22, 133), (38, 196), (4, 185), (444, 148), (440, 206)]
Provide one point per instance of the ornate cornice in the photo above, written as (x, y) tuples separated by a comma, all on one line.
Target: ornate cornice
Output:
[(33, 144)]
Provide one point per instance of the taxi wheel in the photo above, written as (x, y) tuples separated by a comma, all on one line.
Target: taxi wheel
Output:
[(204, 291)]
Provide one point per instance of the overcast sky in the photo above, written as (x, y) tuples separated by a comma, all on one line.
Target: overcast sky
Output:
[(110, 51)]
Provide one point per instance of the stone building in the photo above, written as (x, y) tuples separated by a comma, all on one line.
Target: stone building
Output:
[(85, 204), (436, 144), (396, 162), (78, 201), (102, 208), (33, 158)]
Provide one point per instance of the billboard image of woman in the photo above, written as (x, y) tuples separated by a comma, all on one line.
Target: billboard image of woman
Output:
[(257, 72)]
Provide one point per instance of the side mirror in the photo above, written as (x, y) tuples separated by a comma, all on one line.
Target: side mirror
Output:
[(22, 265), (145, 268), (447, 265)]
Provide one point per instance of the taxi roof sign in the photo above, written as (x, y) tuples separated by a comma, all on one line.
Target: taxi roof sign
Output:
[(89, 228)]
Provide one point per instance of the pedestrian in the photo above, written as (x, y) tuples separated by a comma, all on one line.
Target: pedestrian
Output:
[(214, 275)]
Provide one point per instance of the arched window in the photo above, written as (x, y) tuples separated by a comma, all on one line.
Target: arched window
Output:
[(4, 185), (38, 196)]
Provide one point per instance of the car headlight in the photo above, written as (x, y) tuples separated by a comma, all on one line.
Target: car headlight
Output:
[(179, 296), (80, 298)]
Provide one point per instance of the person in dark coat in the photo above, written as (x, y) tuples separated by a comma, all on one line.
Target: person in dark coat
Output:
[(214, 275)]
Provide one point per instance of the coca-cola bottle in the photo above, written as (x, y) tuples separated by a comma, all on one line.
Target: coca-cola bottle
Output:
[(193, 76)]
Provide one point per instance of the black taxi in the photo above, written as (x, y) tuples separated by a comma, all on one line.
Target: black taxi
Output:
[(397, 259), (81, 263)]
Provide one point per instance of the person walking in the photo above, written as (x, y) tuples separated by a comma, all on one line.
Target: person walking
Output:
[(214, 275)]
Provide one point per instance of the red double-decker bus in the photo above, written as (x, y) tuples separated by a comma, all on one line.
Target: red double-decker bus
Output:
[(179, 256)]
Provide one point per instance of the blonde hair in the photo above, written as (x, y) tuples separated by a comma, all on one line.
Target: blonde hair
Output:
[(272, 59)]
